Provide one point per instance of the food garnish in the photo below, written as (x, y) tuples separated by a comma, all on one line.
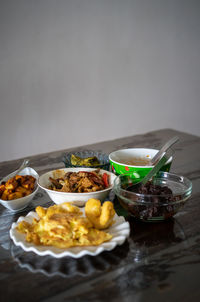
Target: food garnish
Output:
[(64, 226), (79, 182), (88, 161), (17, 187)]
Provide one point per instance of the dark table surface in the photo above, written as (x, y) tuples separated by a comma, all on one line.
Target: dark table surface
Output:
[(158, 262)]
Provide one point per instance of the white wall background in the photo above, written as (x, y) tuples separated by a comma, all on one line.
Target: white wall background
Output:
[(75, 72)]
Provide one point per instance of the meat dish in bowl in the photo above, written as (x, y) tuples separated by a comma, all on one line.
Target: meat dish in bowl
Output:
[(77, 185)]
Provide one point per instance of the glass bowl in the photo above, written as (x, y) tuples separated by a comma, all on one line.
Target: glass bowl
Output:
[(153, 207), (103, 159)]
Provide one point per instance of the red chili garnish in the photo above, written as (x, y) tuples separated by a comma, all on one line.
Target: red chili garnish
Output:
[(105, 179)]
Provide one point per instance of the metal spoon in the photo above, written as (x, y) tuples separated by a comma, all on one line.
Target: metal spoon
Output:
[(164, 158), (166, 146), (23, 165)]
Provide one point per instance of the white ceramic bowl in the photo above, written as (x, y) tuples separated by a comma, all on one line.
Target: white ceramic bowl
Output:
[(19, 204), (78, 199)]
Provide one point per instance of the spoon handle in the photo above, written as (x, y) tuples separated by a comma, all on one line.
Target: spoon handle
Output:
[(166, 146), (23, 165), (164, 158)]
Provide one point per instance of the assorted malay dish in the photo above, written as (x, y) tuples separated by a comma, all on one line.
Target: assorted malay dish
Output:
[(86, 158), (157, 200), (65, 226), (91, 161), (77, 185), (135, 160), (80, 182), (17, 187)]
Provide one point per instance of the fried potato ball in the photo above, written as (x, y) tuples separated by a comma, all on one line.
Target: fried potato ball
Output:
[(100, 216)]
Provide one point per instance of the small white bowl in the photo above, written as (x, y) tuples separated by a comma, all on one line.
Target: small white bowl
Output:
[(19, 204), (78, 199)]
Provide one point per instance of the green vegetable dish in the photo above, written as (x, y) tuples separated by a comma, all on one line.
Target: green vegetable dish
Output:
[(88, 161)]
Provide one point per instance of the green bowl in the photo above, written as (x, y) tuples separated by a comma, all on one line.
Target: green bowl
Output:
[(122, 161)]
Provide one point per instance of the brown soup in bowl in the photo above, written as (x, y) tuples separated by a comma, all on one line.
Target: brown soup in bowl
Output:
[(136, 161)]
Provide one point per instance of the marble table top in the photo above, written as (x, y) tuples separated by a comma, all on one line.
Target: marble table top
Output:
[(158, 262)]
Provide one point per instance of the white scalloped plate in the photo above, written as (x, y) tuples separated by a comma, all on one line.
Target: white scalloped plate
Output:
[(120, 230)]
